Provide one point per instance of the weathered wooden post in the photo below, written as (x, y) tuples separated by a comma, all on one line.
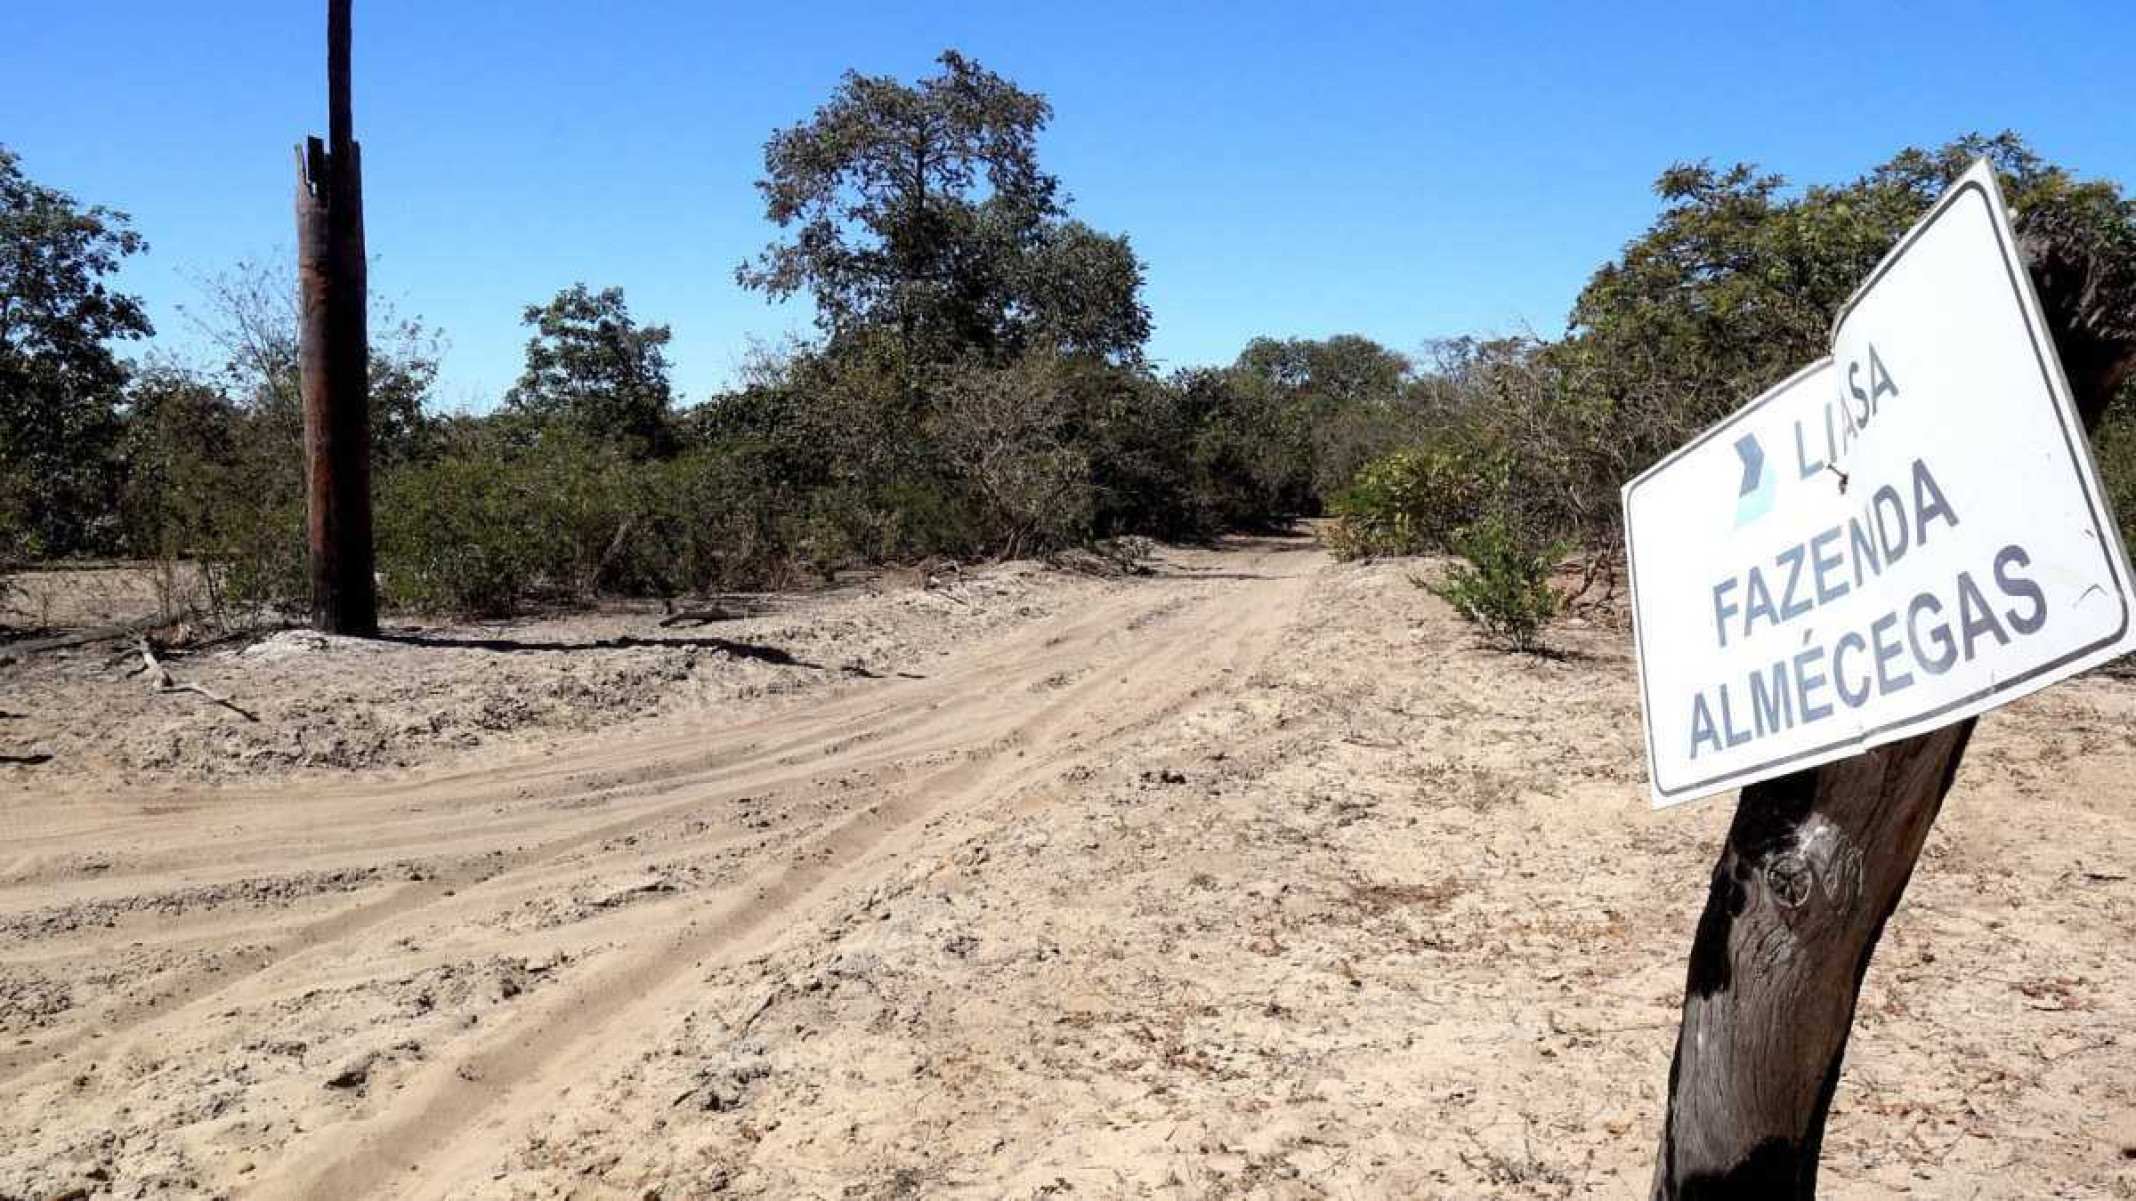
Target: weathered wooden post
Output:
[(334, 358), (1815, 864)]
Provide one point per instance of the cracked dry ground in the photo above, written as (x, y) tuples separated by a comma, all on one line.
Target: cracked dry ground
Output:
[(1255, 877)]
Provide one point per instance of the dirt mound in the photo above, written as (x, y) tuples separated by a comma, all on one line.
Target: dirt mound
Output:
[(329, 704)]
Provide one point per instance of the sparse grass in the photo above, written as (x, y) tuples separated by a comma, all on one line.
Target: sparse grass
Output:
[(1510, 1168)]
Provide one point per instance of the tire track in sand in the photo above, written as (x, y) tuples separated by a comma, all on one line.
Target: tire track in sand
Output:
[(447, 1126), (833, 737)]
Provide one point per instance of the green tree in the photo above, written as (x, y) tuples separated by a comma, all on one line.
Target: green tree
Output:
[(1241, 468), (1737, 282), (181, 452), (1078, 291), (922, 209), (60, 383), (1731, 289), (1330, 406), (594, 368), (1343, 371)]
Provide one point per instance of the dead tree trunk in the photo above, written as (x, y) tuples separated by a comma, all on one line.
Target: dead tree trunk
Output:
[(334, 359), (1815, 863)]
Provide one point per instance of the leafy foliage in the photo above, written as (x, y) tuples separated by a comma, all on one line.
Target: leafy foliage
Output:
[(2114, 447), (922, 210), (211, 462), (1326, 407), (1738, 280), (979, 389), (1006, 434), (1415, 500), (483, 530), (1504, 587), (1733, 287), (60, 383), (592, 367)]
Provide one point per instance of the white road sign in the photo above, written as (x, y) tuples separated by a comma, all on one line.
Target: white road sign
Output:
[(1902, 535)]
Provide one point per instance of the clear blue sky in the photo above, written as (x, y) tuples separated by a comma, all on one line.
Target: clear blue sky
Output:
[(1403, 171)]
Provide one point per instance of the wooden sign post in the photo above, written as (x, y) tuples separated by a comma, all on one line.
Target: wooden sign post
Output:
[(334, 357), (1817, 860)]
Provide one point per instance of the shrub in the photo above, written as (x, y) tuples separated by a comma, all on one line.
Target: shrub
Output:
[(723, 517), (261, 565), (1006, 436), (213, 495), (450, 541), (495, 524), (1413, 501), (1505, 585), (2114, 449), (14, 532), (488, 527)]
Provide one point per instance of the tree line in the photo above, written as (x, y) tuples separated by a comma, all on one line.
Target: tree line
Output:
[(1733, 287), (977, 387)]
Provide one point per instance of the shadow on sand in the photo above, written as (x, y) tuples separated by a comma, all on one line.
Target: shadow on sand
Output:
[(740, 650)]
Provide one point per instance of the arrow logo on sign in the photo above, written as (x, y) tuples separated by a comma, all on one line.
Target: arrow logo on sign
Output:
[(1754, 498)]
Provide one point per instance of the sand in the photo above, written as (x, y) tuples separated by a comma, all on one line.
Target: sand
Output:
[(1257, 876)]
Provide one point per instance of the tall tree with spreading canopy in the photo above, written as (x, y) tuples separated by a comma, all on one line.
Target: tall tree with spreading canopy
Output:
[(921, 210), (60, 383), (591, 366)]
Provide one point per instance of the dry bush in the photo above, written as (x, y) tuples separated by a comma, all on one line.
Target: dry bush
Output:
[(1004, 433)]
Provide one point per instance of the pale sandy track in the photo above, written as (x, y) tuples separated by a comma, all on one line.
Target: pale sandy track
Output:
[(1257, 878), (237, 902)]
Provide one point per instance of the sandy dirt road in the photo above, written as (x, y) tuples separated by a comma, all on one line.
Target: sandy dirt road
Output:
[(1254, 877)]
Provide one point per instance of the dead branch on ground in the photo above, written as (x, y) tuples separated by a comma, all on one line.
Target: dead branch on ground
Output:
[(160, 680)]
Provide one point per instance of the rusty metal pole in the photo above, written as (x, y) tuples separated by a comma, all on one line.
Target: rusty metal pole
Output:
[(334, 357), (1815, 864)]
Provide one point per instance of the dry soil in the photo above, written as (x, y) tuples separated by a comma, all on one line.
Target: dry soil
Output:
[(1256, 876)]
